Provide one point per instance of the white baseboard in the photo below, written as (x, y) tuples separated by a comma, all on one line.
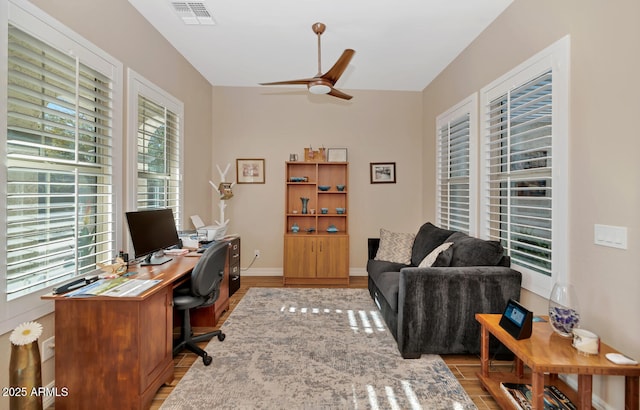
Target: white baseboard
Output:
[(278, 272), (48, 400), (357, 272), (261, 272)]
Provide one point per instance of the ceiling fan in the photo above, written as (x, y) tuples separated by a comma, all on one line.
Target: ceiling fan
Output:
[(324, 83)]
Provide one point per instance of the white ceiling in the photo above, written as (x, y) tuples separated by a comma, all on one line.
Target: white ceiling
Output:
[(399, 44)]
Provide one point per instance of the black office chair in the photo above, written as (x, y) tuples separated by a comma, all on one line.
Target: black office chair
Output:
[(203, 291)]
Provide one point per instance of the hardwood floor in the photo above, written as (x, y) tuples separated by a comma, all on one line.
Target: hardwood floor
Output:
[(463, 367)]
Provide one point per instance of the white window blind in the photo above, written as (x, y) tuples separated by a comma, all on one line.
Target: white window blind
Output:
[(454, 175), (59, 165), (520, 190), (159, 165), (455, 164), (524, 168)]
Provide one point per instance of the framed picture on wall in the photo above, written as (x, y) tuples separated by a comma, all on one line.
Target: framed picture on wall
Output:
[(250, 170), (383, 172)]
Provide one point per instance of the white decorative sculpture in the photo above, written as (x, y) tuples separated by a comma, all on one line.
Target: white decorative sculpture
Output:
[(224, 189)]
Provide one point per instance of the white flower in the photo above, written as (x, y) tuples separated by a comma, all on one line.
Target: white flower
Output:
[(26, 333)]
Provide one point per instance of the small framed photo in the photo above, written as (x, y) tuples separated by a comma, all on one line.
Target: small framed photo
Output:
[(250, 171), (336, 155), (383, 172)]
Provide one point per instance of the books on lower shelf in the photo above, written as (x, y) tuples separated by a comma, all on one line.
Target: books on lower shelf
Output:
[(520, 395), (119, 287)]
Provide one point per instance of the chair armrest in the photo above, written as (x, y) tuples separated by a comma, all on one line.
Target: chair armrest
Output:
[(373, 244)]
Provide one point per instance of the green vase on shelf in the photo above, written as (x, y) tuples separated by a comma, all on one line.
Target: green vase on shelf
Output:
[(305, 202)]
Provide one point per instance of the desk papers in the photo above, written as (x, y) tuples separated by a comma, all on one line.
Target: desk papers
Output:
[(118, 287)]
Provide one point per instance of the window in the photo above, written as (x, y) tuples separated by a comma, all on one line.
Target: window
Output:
[(59, 207), (156, 132), (456, 149), (524, 166)]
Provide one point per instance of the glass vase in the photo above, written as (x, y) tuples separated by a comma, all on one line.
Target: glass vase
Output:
[(564, 310)]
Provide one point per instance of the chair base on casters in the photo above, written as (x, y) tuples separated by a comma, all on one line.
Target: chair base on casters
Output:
[(188, 341)]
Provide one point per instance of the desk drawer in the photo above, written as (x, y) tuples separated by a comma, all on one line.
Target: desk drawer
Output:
[(234, 252), (234, 265)]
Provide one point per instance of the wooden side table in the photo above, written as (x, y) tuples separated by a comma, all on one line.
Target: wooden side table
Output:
[(547, 352)]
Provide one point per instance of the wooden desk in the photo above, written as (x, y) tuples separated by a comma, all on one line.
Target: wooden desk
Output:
[(114, 353), (547, 352)]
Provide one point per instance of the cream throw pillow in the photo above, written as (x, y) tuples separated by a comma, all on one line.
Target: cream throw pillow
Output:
[(431, 257), (395, 247)]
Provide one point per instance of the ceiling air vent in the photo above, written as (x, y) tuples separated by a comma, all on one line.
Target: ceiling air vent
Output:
[(193, 12)]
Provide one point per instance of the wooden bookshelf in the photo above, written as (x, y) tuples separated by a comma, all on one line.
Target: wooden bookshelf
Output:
[(315, 254)]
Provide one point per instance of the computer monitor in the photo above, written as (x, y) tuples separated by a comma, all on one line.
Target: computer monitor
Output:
[(152, 231)]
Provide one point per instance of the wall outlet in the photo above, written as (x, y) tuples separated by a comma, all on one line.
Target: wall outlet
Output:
[(256, 253), (48, 349)]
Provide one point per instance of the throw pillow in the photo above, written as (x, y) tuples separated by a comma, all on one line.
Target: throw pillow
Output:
[(395, 247), (470, 251), (428, 238), (431, 257)]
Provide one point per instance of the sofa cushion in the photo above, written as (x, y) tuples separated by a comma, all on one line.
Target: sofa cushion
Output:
[(430, 259), (388, 284), (470, 251), (395, 247), (427, 239), (374, 266)]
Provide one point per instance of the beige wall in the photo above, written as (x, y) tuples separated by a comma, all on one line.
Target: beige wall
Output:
[(270, 123), (604, 173), (124, 34)]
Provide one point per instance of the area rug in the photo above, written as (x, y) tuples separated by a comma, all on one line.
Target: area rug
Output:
[(313, 349)]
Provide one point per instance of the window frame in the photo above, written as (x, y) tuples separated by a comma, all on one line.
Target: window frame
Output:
[(140, 86), (468, 106), (33, 21), (556, 58)]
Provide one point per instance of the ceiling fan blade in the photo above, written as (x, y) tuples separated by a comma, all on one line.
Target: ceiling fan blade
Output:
[(301, 81), (339, 94), (338, 68)]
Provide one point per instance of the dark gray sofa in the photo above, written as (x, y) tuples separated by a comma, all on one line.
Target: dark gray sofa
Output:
[(432, 309)]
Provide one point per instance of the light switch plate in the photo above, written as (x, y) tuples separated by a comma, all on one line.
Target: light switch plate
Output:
[(612, 236)]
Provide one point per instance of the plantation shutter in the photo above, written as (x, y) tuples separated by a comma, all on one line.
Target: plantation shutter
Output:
[(520, 173), (158, 157), (59, 200), (453, 174)]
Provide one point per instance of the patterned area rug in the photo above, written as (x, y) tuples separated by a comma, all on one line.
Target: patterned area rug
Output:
[(313, 349)]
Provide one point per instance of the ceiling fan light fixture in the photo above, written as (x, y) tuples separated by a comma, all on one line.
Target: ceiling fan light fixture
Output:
[(319, 89)]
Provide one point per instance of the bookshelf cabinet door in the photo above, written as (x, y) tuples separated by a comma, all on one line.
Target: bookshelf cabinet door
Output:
[(300, 256), (333, 257)]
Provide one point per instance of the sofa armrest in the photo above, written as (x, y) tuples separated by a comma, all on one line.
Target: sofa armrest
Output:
[(373, 244), (437, 306)]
